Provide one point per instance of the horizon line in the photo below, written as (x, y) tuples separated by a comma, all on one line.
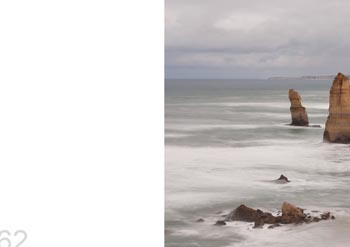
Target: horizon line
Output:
[(304, 77)]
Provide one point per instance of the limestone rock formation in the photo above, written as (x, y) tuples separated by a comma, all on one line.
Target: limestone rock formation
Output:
[(338, 121), (291, 214), (298, 112)]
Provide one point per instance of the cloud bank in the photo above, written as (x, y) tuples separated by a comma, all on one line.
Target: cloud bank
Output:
[(256, 39)]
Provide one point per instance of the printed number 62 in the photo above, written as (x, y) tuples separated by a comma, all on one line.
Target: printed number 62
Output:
[(8, 241)]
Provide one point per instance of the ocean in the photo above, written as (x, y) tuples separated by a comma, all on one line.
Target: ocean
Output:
[(225, 143)]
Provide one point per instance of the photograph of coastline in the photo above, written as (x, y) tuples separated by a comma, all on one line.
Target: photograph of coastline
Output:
[(257, 123)]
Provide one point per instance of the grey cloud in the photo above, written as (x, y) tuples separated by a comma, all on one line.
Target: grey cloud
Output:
[(255, 38)]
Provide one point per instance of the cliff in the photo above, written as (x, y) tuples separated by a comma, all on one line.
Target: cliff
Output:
[(338, 121)]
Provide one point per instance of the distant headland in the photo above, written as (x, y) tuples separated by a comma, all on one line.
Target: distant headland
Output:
[(307, 77)]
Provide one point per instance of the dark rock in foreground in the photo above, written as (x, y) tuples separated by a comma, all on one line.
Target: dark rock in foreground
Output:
[(243, 213), (290, 214)]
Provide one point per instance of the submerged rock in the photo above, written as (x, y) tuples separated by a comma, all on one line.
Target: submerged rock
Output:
[(274, 225), (220, 223), (298, 112), (338, 121), (282, 179), (325, 216), (315, 219), (259, 223), (200, 220)]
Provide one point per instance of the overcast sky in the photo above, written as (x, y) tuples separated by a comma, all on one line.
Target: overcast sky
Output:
[(255, 38)]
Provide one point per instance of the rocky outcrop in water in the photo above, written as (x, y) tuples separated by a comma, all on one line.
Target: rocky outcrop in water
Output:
[(298, 112), (244, 213), (290, 214), (220, 223), (282, 179), (338, 121)]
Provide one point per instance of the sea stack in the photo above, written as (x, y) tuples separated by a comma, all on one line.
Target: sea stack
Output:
[(298, 112), (338, 121)]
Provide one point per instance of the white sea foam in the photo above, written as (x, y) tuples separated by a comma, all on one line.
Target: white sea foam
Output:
[(172, 135), (186, 232), (194, 127), (225, 168)]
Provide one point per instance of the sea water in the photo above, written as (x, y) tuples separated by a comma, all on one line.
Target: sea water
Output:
[(225, 143)]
